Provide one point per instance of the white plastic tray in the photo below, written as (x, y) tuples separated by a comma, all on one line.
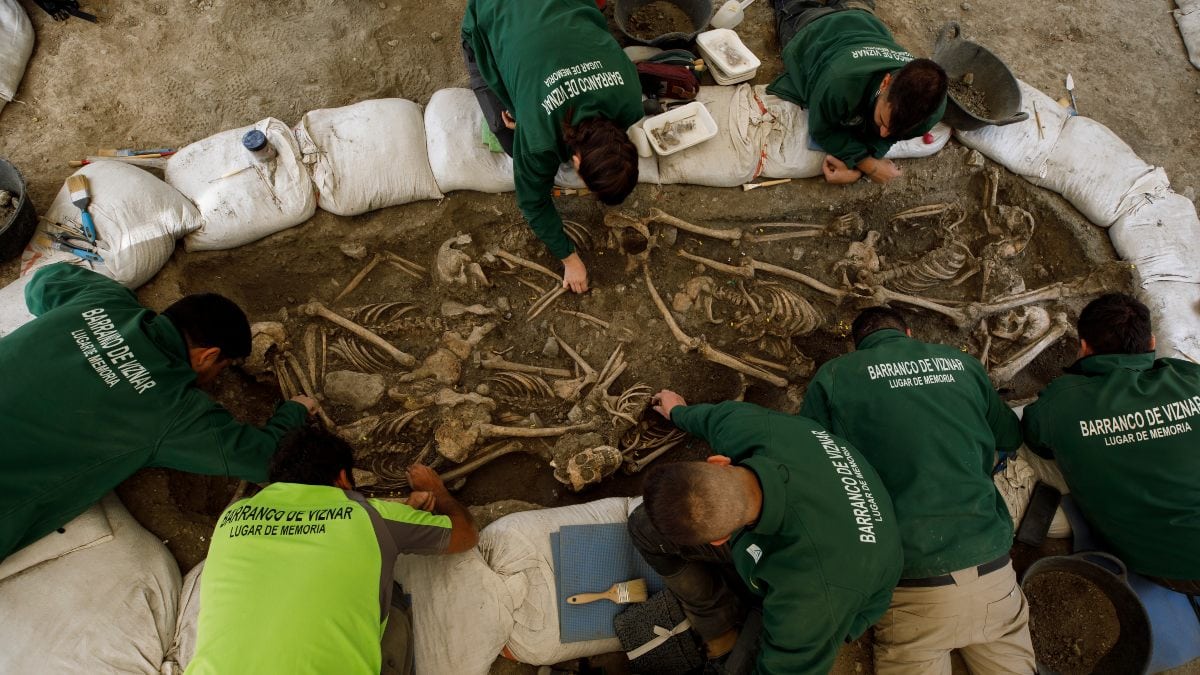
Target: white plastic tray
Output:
[(690, 125), (725, 52)]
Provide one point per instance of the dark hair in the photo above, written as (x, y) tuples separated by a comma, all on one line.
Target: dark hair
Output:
[(608, 160), (874, 319), (1116, 323), (311, 457), (916, 91), (692, 503), (211, 320)]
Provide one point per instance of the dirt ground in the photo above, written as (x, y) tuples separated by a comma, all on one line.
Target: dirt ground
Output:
[(158, 73)]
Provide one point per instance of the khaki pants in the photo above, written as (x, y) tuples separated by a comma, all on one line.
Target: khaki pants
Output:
[(985, 618)]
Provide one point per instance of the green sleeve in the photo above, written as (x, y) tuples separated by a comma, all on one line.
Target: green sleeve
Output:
[(58, 284), (795, 640), (414, 530), (1003, 422), (207, 439), (534, 174), (733, 428), (1035, 431), (817, 400)]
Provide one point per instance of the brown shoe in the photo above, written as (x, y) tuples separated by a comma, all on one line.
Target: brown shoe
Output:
[(722, 644)]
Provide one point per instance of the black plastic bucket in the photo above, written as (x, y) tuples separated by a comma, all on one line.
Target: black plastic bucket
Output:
[(1131, 654), (15, 231), (993, 79), (699, 11)]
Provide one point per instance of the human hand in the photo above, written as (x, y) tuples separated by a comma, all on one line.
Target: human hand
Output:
[(880, 170), (575, 274), (422, 501), (424, 479), (310, 404), (664, 401), (837, 173), (509, 121)]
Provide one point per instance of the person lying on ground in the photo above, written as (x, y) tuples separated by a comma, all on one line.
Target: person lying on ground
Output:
[(555, 86), (785, 515), (863, 91), (928, 419), (1124, 428), (299, 577), (97, 387)]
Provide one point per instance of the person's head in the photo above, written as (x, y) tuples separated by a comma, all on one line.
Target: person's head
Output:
[(313, 457), (605, 158), (909, 96), (1115, 323), (693, 503), (216, 330), (874, 319)]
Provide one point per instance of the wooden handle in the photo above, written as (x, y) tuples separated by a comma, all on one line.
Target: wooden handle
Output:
[(584, 598)]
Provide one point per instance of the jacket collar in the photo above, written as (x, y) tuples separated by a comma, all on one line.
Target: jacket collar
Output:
[(773, 477), (1102, 364), (881, 336)]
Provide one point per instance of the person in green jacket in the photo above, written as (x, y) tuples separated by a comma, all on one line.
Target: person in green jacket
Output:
[(928, 419), (863, 91), (792, 511), (299, 577), (1124, 428), (97, 387), (555, 86)]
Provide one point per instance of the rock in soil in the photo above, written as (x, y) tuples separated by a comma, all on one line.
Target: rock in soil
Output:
[(1072, 622), (358, 391)]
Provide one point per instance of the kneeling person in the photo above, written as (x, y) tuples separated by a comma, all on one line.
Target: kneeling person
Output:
[(787, 515), (299, 576)]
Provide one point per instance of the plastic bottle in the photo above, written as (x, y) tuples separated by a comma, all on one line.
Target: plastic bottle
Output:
[(256, 143)]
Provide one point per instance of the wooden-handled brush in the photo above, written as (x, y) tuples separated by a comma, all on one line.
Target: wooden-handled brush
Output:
[(77, 185), (622, 593)]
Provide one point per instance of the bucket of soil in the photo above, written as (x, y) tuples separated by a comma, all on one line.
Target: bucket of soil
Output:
[(983, 90), (662, 22), (17, 217), (1084, 617)]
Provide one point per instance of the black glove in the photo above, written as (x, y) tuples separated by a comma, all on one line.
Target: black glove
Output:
[(61, 10)]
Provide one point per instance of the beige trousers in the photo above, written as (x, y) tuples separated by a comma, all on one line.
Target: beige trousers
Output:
[(985, 618)]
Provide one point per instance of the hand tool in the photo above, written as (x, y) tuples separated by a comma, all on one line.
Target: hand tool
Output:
[(68, 244), (746, 187), (130, 152), (77, 185), (621, 593), (1071, 93)]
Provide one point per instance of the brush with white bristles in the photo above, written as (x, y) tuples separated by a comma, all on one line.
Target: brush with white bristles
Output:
[(621, 593), (77, 185)]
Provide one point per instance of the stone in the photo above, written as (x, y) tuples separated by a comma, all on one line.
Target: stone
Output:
[(435, 36), (393, 43), (551, 348), (354, 251), (670, 235), (575, 414), (975, 158), (966, 6), (797, 253), (502, 304), (357, 391), (1189, 192)]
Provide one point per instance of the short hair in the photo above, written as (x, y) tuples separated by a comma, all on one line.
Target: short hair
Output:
[(874, 319), (608, 160), (1116, 323), (693, 503), (211, 320), (916, 91), (311, 457)]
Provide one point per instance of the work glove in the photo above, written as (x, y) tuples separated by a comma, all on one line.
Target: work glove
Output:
[(61, 10)]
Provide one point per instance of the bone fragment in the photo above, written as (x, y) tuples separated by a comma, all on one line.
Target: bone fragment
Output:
[(545, 301), (528, 264), (500, 450), (310, 355), (497, 363), (358, 278), (307, 388), (749, 266), (1017, 362), (452, 308), (318, 309), (404, 269), (586, 317), (416, 269), (634, 466), (286, 387)]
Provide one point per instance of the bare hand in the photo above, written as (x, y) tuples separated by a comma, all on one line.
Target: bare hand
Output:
[(880, 170), (837, 173), (424, 479), (665, 400), (422, 501), (309, 403), (575, 276), (509, 120)]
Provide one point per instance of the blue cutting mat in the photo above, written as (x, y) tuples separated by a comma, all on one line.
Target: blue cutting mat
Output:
[(589, 559)]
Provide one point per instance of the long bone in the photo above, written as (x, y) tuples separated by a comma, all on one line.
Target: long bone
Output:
[(318, 309), (734, 235), (499, 363), (1017, 362)]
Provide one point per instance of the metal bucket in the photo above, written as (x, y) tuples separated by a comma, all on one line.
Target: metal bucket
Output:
[(996, 82), (699, 11), (16, 231), (1131, 654)]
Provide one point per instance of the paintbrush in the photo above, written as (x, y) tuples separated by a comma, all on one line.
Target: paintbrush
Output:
[(621, 593), (77, 185)]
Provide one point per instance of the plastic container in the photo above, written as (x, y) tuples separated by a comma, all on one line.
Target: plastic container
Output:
[(730, 14), (17, 229), (679, 128), (991, 76), (256, 143), (728, 58), (699, 11)]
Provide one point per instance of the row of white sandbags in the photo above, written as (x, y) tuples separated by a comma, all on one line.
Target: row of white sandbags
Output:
[(16, 45), (1152, 227), (1187, 17)]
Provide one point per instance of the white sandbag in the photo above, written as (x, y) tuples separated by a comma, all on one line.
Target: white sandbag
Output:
[(1020, 147), (1187, 17), (569, 178), (367, 156), (16, 44), (517, 548), (102, 600), (914, 148), (1162, 240), (183, 646), (137, 216), (13, 312), (1175, 316), (735, 155), (240, 200), (461, 612), (1099, 173)]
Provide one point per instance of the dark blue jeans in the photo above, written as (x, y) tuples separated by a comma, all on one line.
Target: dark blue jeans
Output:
[(793, 15)]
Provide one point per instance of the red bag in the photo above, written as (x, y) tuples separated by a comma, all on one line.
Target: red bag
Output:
[(664, 80)]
